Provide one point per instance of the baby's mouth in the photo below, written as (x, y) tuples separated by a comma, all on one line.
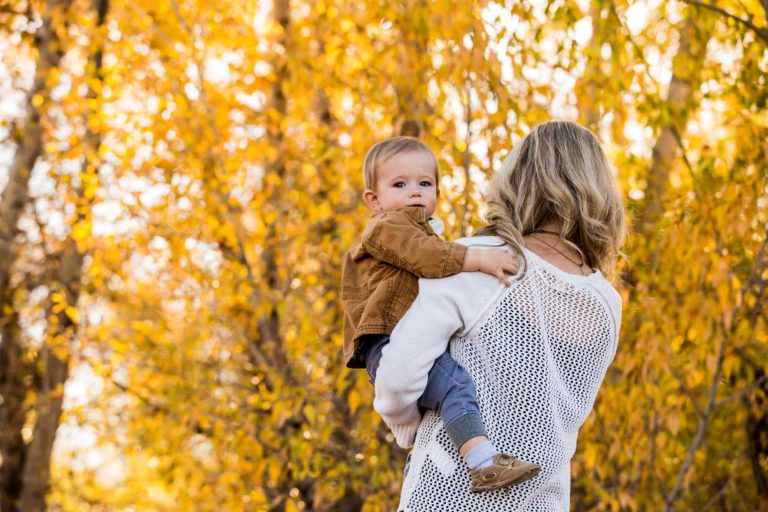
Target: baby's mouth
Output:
[(417, 204)]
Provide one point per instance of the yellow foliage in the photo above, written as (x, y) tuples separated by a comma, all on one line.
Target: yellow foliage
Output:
[(227, 176)]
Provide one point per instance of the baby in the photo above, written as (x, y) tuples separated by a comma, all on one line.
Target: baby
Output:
[(380, 281)]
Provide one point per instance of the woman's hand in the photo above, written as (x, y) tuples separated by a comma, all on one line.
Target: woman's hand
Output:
[(493, 260)]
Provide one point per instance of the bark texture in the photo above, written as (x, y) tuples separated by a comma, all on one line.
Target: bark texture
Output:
[(687, 66), (586, 89), (31, 474), (16, 193), (12, 414), (14, 377)]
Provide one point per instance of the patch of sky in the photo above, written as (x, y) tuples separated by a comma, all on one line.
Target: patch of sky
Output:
[(636, 17), (254, 101)]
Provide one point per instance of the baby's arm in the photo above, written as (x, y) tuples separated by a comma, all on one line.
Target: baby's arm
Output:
[(392, 237), (491, 260)]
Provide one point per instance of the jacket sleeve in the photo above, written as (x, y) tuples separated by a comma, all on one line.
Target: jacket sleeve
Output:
[(393, 238)]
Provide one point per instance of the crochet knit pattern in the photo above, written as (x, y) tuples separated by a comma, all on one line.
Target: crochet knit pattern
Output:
[(538, 359)]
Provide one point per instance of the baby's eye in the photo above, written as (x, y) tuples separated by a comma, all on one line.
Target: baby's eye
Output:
[(426, 183), (399, 184)]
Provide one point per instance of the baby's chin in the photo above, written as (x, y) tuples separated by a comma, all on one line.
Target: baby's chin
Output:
[(422, 205), (429, 211)]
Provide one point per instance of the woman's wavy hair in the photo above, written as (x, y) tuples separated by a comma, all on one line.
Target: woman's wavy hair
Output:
[(559, 172)]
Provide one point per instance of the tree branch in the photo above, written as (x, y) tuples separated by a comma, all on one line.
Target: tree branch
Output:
[(764, 3), (6, 9), (701, 429), (760, 265), (656, 477), (687, 392), (717, 495), (743, 391), (467, 159), (761, 33)]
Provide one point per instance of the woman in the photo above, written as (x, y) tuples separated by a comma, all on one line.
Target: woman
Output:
[(538, 350)]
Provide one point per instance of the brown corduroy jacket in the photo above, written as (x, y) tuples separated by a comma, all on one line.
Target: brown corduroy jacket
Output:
[(379, 279)]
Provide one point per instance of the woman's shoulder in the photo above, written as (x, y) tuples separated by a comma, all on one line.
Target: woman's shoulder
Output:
[(484, 241), (595, 280), (469, 295), (612, 299), (463, 282)]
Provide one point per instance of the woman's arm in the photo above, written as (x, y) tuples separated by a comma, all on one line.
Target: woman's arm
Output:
[(444, 308)]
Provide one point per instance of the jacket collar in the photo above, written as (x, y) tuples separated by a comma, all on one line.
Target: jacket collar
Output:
[(417, 213), (420, 215)]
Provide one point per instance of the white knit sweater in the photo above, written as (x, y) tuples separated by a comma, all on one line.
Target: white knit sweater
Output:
[(537, 351)]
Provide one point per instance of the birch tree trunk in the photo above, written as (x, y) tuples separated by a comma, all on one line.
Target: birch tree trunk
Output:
[(686, 65), (16, 194), (269, 336), (350, 499), (12, 413), (62, 328), (413, 107), (15, 198), (54, 360), (269, 324), (586, 90)]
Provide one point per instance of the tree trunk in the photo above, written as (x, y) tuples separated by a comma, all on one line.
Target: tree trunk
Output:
[(686, 65), (586, 90), (15, 198), (12, 414), (269, 337), (16, 193), (269, 324), (36, 476), (757, 435), (54, 356), (54, 364), (413, 106)]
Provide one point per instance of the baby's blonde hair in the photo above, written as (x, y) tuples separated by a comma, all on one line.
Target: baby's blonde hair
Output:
[(386, 149), (559, 172)]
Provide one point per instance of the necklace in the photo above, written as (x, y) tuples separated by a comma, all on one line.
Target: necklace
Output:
[(546, 231), (561, 253)]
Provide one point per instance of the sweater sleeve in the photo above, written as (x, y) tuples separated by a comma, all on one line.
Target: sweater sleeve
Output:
[(394, 238), (444, 308)]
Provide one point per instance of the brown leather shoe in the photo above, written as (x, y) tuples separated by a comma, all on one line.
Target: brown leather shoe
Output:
[(505, 470)]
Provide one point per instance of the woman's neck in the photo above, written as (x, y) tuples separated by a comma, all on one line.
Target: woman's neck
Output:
[(554, 249), (550, 226)]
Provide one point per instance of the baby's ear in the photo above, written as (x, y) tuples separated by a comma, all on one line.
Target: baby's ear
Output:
[(371, 199)]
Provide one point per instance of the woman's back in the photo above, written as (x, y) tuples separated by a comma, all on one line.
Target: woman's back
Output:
[(537, 356)]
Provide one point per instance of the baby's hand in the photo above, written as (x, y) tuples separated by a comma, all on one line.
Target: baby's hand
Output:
[(494, 261)]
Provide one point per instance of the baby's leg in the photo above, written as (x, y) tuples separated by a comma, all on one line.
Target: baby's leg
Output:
[(451, 392), (374, 343)]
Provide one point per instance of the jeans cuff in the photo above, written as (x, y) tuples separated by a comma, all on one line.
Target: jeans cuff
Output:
[(464, 428)]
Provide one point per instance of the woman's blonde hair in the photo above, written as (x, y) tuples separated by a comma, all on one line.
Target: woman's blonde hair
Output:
[(559, 172)]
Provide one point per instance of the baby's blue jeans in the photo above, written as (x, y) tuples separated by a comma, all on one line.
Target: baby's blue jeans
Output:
[(450, 391)]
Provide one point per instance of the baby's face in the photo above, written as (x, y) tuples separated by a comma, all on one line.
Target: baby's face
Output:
[(406, 179)]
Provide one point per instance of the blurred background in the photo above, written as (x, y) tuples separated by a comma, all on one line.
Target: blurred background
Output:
[(181, 177)]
